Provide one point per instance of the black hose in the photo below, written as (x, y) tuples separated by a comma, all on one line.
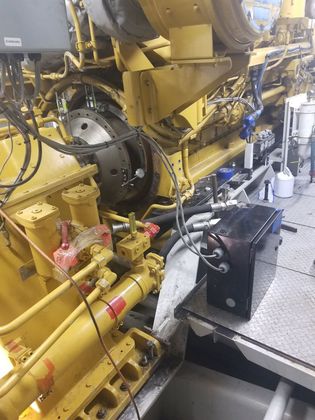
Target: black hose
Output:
[(169, 218), (166, 249)]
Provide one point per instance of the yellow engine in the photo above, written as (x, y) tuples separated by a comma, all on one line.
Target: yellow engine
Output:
[(152, 96)]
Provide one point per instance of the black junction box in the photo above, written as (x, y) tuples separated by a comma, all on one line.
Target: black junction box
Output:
[(250, 238)]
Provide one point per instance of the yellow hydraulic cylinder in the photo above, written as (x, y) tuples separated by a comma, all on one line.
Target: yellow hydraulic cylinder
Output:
[(83, 205), (59, 358), (293, 9), (40, 226)]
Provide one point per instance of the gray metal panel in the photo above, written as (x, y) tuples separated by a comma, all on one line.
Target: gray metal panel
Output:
[(33, 26), (197, 393)]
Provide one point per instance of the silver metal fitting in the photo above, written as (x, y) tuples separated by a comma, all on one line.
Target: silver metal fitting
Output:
[(120, 227), (216, 207)]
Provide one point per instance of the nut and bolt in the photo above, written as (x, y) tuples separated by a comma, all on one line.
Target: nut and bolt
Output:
[(144, 361), (151, 347), (101, 414), (124, 387)]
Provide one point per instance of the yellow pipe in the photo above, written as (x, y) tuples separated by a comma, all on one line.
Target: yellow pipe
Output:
[(268, 94), (60, 124), (121, 219), (80, 42), (42, 349), (22, 388), (115, 94), (158, 207), (93, 40), (47, 300), (68, 55)]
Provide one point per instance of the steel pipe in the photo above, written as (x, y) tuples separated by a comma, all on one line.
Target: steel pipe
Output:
[(280, 400)]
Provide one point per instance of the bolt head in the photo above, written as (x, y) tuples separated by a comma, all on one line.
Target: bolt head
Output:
[(101, 413), (123, 387), (144, 361)]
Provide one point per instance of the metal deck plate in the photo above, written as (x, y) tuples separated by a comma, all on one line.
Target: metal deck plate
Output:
[(284, 323)]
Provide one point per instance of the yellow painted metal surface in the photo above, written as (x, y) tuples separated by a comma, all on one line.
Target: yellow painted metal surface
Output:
[(166, 86), (293, 8), (82, 202), (30, 293)]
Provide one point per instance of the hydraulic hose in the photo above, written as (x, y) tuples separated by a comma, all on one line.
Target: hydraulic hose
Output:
[(195, 227), (169, 218)]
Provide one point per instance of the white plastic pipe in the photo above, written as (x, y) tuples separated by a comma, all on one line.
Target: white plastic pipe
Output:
[(280, 400)]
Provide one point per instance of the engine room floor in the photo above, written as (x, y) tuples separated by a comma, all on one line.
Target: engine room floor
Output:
[(284, 322)]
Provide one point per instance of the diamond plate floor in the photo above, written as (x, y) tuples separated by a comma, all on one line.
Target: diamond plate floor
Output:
[(285, 319)]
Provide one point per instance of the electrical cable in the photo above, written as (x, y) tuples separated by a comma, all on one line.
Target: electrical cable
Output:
[(3, 78), (19, 181), (191, 245), (168, 246), (13, 68), (11, 150)]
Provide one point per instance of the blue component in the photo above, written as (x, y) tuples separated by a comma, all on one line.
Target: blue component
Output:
[(225, 174), (249, 124)]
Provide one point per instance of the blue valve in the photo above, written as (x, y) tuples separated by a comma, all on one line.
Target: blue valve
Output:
[(249, 124)]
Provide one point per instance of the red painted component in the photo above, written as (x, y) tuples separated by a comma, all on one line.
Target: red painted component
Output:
[(65, 235), (66, 259), (86, 288), (116, 306), (13, 347), (104, 232), (44, 384), (151, 230)]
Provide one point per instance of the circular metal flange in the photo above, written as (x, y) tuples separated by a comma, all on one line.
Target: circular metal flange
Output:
[(115, 166)]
